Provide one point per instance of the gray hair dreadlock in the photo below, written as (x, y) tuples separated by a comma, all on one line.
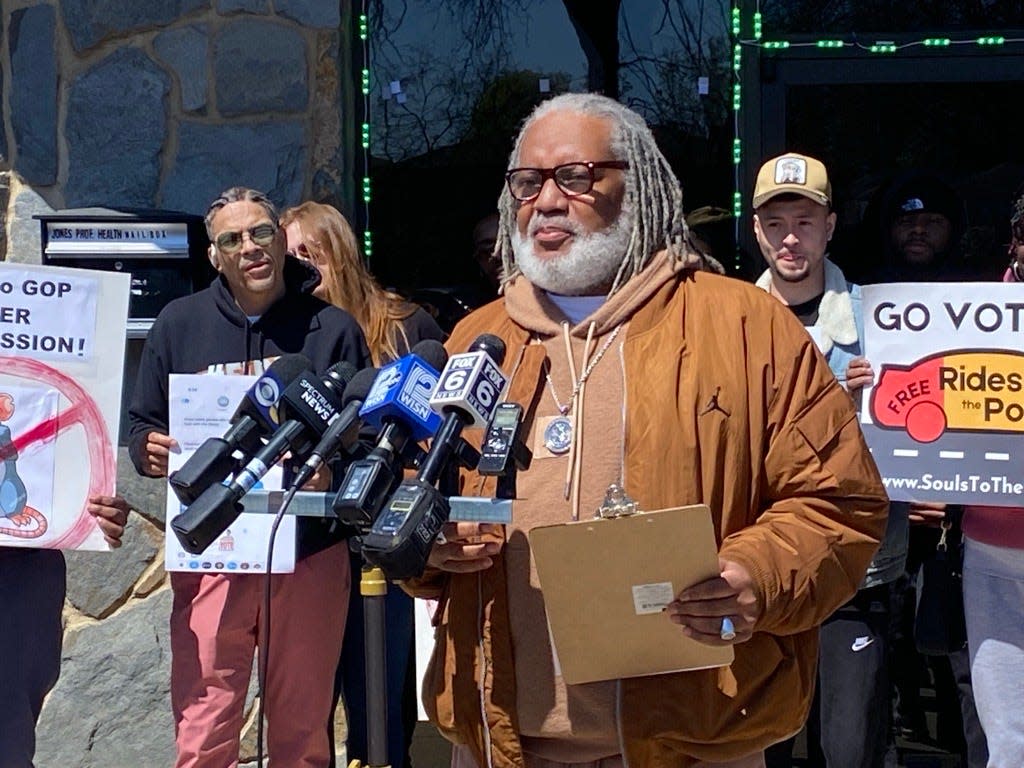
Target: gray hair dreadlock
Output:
[(652, 190)]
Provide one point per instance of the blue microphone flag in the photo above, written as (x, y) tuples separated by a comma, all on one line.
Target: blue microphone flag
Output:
[(401, 392)]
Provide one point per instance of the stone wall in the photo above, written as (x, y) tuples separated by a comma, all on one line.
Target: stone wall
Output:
[(155, 104), (164, 103)]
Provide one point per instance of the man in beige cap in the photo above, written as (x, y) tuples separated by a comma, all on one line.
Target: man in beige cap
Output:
[(794, 222)]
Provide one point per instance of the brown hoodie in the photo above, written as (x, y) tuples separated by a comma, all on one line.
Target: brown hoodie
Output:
[(555, 722), (795, 498)]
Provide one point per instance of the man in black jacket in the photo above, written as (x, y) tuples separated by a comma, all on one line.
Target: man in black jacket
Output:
[(259, 307)]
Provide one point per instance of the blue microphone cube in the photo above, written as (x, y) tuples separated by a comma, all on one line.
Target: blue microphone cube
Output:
[(402, 392)]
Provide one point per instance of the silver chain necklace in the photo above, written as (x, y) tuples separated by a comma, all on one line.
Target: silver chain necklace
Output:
[(558, 433), (564, 409)]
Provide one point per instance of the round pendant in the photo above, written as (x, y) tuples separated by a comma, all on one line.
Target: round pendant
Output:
[(558, 435)]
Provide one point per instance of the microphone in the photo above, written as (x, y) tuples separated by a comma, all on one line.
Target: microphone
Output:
[(472, 383), (502, 450), (398, 403), (307, 407), (256, 417), (343, 432), (402, 389), (468, 392)]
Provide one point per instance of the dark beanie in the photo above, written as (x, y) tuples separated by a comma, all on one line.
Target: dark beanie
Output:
[(926, 194)]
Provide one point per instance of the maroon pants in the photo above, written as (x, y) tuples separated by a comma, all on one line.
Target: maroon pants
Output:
[(213, 637)]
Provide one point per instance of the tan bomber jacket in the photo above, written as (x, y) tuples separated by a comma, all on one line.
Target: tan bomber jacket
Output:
[(794, 494)]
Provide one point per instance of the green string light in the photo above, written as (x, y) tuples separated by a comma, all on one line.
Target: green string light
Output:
[(364, 36), (879, 47), (737, 144)]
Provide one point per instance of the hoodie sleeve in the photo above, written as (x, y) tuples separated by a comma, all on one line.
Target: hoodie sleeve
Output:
[(148, 409), (823, 503)]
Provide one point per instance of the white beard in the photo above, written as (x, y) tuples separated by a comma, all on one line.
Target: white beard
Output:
[(587, 268)]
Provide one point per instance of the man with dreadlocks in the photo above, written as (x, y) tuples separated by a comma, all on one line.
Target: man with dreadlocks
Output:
[(638, 366)]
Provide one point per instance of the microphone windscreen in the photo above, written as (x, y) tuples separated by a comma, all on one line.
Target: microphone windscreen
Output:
[(359, 387), (491, 344), (288, 367), (432, 352), (343, 372), (265, 393)]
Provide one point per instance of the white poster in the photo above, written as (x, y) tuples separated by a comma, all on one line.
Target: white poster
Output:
[(201, 406), (48, 316), (945, 417), (62, 339)]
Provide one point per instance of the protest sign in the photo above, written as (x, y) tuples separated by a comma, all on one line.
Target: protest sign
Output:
[(945, 416), (62, 338)]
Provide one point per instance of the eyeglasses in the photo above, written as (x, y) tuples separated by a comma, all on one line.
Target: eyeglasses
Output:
[(231, 242), (574, 179)]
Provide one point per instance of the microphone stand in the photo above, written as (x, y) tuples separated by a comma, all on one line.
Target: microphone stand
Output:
[(373, 587)]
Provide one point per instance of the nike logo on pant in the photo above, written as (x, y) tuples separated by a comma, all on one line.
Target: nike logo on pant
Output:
[(861, 643)]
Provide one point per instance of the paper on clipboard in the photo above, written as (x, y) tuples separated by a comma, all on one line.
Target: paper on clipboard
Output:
[(605, 582)]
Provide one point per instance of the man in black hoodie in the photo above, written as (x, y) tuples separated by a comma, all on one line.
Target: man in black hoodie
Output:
[(259, 307)]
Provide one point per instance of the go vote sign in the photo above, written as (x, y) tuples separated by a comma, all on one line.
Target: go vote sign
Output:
[(945, 416)]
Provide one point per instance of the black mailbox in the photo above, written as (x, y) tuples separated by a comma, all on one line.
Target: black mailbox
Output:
[(165, 252)]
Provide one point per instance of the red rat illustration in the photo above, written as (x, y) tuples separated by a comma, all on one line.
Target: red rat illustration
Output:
[(28, 522)]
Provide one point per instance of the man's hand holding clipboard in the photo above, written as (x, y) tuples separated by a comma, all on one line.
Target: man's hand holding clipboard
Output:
[(708, 610)]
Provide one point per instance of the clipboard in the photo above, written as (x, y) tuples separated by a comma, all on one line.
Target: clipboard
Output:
[(605, 582)]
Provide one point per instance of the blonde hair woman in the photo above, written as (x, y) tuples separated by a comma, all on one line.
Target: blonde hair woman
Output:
[(320, 235)]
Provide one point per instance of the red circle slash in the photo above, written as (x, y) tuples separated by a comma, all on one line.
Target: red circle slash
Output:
[(83, 410)]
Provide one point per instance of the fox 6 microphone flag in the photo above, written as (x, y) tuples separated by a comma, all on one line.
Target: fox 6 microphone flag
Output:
[(402, 390), (473, 383)]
